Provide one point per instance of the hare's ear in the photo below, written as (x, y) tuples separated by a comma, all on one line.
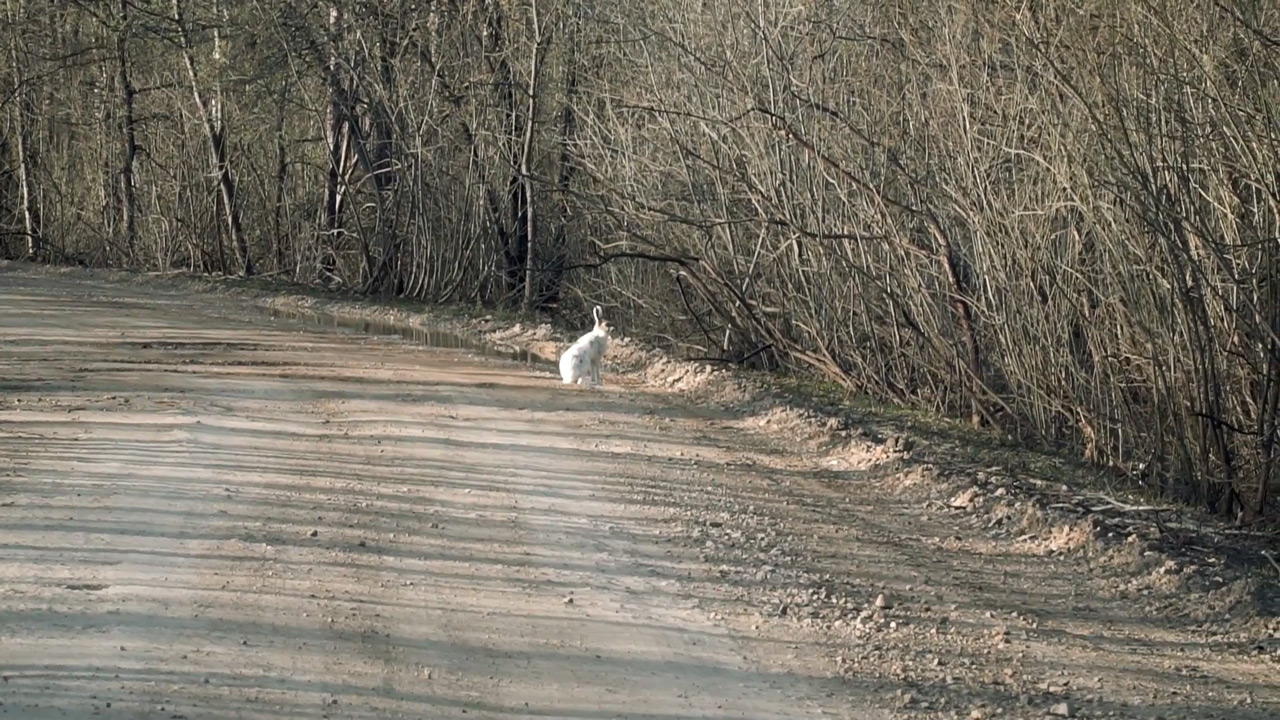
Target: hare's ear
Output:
[(596, 313)]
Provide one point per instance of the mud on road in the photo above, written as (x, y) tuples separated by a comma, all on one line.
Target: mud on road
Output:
[(206, 512)]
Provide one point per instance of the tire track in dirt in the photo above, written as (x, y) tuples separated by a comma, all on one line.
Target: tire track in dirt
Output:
[(207, 516)]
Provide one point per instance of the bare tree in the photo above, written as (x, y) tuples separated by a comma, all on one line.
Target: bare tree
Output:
[(211, 114), (128, 131), (25, 115)]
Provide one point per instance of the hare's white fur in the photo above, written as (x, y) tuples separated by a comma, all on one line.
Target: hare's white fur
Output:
[(580, 364)]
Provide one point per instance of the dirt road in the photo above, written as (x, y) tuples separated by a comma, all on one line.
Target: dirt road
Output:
[(206, 513)]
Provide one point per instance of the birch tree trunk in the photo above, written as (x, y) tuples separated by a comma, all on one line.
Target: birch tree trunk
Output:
[(526, 177), (24, 114)]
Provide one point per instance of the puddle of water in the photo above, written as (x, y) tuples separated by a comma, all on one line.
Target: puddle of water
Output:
[(429, 337)]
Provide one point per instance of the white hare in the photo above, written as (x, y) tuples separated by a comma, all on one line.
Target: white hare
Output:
[(580, 364)]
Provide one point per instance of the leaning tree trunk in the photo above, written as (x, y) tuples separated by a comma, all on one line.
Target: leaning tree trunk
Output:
[(338, 143), (216, 132)]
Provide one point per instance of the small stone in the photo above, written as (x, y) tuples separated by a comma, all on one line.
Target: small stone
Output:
[(313, 533), (568, 601), (1062, 709), (882, 602), (966, 499)]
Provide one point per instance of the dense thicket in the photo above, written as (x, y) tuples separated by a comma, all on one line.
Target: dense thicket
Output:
[(1057, 217)]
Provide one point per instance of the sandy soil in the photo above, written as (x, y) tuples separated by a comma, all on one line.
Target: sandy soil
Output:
[(210, 513)]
